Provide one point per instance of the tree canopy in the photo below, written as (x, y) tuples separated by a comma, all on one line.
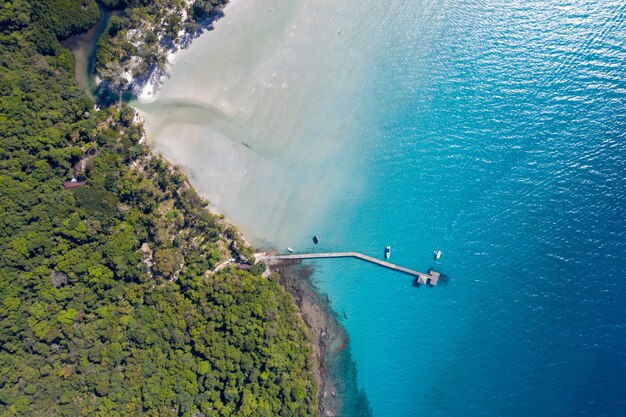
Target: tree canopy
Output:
[(108, 306)]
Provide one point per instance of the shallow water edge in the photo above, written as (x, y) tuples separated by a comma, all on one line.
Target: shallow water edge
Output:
[(337, 373)]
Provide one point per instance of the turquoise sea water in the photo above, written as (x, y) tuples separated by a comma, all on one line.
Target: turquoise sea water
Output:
[(492, 130), (497, 134)]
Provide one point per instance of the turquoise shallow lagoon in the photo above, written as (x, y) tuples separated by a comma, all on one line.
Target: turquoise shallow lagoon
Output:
[(494, 131)]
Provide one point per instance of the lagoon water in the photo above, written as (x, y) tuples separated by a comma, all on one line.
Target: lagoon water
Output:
[(492, 130)]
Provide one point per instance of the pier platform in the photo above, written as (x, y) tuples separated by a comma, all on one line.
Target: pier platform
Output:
[(430, 278)]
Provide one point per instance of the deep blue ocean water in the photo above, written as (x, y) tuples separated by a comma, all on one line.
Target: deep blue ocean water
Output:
[(497, 134)]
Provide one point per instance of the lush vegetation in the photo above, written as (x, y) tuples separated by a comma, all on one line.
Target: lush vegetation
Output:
[(108, 302), (138, 39)]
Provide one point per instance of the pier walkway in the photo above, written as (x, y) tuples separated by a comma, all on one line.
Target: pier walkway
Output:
[(430, 278)]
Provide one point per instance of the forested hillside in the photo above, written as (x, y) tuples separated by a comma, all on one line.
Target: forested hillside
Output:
[(108, 306)]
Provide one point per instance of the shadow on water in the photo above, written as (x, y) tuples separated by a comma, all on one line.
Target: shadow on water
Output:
[(442, 282), (204, 24)]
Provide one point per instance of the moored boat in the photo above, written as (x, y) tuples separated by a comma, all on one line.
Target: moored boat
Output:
[(387, 252)]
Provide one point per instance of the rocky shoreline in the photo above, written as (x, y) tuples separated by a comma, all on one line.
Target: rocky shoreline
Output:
[(327, 336)]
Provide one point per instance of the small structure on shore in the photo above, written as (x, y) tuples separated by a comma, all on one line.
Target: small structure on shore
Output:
[(243, 267), (70, 185), (428, 279)]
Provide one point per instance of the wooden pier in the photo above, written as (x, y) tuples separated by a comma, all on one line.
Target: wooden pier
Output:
[(430, 278)]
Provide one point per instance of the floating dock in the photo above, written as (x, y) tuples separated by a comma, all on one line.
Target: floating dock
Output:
[(431, 278)]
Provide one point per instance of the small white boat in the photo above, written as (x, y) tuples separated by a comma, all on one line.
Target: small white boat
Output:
[(289, 250), (437, 254), (387, 252)]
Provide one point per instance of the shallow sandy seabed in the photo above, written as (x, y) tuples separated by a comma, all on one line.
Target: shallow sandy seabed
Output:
[(261, 114)]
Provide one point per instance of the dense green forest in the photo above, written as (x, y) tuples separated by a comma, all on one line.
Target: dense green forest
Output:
[(139, 37), (108, 302)]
